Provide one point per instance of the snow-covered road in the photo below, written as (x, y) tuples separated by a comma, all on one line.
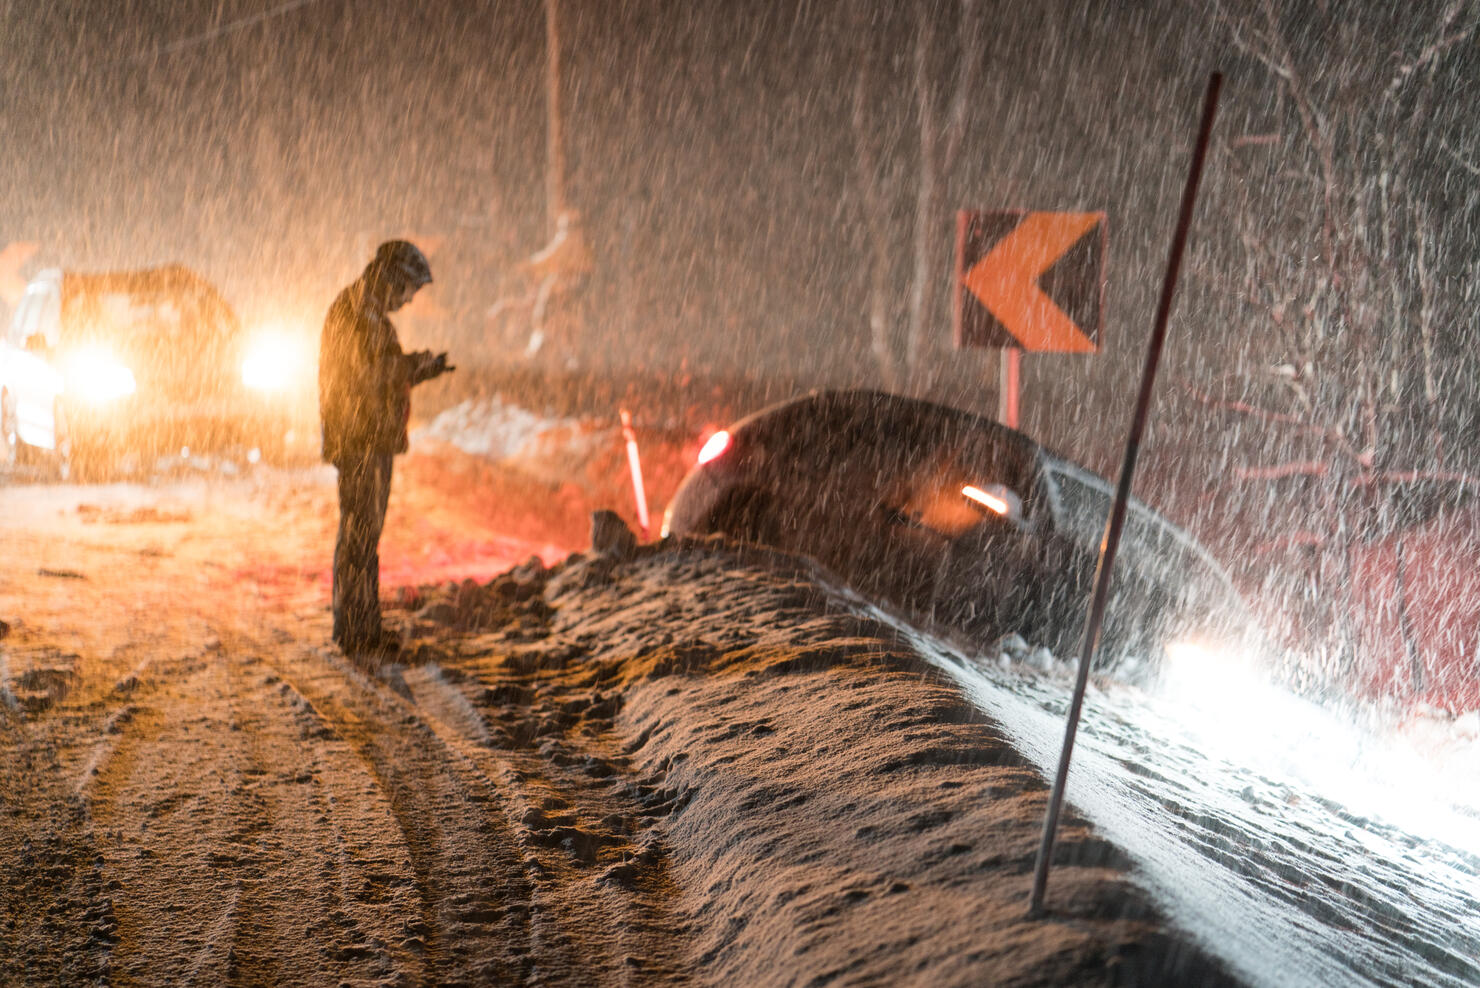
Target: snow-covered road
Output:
[(197, 788), (685, 766), (1301, 848)]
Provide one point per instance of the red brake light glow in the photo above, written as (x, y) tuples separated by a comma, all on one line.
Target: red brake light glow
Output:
[(714, 446), (981, 497)]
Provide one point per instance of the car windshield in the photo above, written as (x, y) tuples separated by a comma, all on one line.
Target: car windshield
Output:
[(35, 317), (1148, 542), (170, 324)]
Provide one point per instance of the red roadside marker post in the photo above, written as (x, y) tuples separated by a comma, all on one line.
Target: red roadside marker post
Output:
[(1116, 522), (634, 466)]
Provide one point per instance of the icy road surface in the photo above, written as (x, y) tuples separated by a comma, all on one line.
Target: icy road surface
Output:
[(1299, 848)]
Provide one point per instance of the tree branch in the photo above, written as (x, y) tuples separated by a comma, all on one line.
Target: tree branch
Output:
[(1431, 54)]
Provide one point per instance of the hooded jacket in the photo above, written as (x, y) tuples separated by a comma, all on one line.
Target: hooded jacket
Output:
[(365, 379)]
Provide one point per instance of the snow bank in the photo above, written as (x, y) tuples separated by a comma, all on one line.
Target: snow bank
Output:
[(809, 802), (490, 428)]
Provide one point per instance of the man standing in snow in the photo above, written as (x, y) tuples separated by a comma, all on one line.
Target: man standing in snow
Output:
[(365, 383)]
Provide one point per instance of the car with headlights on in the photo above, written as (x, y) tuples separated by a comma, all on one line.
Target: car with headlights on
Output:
[(958, 521), (102, 372)]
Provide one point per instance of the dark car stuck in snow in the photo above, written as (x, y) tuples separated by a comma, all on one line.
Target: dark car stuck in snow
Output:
[(958, 521)]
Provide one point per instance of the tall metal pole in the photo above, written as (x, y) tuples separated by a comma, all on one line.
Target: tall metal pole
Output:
[(555, 137), (1122, 496)]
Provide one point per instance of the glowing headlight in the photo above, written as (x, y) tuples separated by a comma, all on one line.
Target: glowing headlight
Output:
[(274, 362), (93, 375), (1225, 677), (986, 499), (995, 498)]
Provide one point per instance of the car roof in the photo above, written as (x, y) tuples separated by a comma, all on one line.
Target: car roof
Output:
[(200, 306), (834, 412), (898, 433)]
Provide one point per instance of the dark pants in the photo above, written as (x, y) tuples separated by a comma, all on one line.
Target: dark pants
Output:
[(364, 491)]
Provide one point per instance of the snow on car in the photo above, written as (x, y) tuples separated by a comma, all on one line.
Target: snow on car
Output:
[(958, 520)]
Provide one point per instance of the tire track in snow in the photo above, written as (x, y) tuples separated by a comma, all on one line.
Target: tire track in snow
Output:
[(590, 856), (290, 837), (166, 801), (311, 911), (56, 923), (447, 818)]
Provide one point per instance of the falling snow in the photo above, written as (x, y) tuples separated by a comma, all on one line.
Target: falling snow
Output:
[(688, 211)]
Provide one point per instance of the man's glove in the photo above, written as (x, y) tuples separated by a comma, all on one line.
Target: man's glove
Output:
[(427, 365)]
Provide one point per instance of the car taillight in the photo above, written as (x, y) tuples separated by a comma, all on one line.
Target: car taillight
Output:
[(714, 447)]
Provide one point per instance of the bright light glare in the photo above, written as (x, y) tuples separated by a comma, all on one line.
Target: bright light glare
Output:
[(1222, 697), (991, 501), (714, 446), (93, 375), (1225, 680), (274, 361), (1192, 656), (36, 372)]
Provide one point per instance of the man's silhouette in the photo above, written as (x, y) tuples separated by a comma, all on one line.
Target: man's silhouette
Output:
[(365, 383)]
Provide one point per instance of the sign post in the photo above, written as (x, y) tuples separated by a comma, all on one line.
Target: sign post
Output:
[(1010, 365), (1028, 281)]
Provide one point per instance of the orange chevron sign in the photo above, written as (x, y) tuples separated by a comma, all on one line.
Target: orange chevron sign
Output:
[(1034, 281)]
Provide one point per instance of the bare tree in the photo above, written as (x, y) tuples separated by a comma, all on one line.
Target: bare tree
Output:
[(940, 151), (1348, 266), (1343, 259), (940, 115), (554, 274), (869, 159), (555, 204)]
